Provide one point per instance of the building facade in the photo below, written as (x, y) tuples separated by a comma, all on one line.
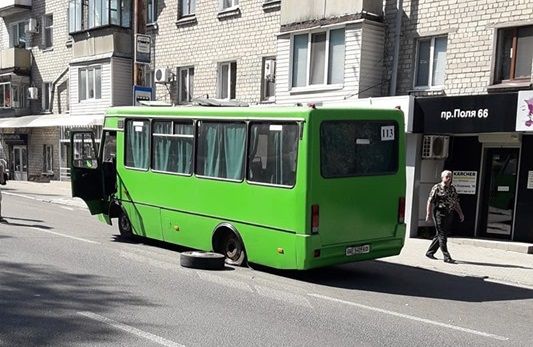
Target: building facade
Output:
[(469, 67), (213, 49)]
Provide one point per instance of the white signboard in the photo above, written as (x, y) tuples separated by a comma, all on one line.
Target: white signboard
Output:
[(524, 111), (530, 180), (142, 49), (465, 182)]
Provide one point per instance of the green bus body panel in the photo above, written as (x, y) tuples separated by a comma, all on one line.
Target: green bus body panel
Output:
[(274, 222)]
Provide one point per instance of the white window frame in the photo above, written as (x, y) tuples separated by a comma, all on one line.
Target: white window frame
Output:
[(48, 159), (47, 28), (429, 85), (14, 33), (234, 5), (190, 84), (265, 81), (219, 80), (90, 69), (192, 9), (47, 95), (151, 12), (309, 86)]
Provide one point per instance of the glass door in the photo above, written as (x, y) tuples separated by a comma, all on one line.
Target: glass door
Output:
[(501, 166), (20, 163)]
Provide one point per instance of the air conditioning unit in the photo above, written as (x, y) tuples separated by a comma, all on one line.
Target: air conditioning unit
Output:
[(33, 93), (435, 147), (33, 25), (270, 69), (162, 75)]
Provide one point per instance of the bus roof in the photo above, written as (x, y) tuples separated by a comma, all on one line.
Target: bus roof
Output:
[(300, 112)]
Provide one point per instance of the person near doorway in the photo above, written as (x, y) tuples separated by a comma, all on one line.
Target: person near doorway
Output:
[(3, 168), (443, 201)]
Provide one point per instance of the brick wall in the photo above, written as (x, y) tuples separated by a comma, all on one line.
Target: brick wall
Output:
[(36, 139), (245, 38), (471, 28)]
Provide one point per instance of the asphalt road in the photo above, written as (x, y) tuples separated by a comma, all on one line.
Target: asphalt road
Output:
[(68, 280)]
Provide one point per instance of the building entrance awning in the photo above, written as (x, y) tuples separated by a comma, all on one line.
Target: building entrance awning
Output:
[(51, 120)]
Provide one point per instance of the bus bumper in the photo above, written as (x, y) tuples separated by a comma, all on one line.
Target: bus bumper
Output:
[(312, 254)]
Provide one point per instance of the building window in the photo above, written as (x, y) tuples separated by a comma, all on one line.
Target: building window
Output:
[(17, 35), (47, 94), (268, 78), (48, 151), (90, 83), (318, 58), (187, 7), (431, 62), (13, 95), (185, 84), (90, 14), (227, 78), (48, 27), (226, 4), (151, 11), (514, 54)]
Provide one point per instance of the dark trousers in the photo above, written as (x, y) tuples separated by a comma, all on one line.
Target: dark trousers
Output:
[(443, 221)]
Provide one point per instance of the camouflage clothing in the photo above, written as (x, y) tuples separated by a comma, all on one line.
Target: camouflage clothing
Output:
[(444, 197)]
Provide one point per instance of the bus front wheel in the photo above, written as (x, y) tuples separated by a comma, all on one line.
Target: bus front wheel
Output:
[(124, 226), (231, 246)]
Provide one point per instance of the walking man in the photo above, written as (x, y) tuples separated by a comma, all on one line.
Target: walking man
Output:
[(443, 201)]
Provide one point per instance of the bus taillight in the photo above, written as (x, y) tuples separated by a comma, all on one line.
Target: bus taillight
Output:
[(314, 219), (401, 210)]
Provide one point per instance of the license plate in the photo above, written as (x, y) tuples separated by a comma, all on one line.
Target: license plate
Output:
[(363, 249)]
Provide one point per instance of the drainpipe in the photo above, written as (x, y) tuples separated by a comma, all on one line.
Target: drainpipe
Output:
[(396, 54), (52, 93)]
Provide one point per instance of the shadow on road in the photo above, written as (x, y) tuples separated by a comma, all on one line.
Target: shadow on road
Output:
[(24, 219), (39, 306), (40, 226), (396, 279)]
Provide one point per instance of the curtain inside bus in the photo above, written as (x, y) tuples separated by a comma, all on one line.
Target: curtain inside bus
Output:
[(138, 139), (221, 150)]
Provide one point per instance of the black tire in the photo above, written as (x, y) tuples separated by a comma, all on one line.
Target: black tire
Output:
[(233, 249), (124, 226), (202, 260)]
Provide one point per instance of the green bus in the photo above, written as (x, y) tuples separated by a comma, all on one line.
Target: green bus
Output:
[(285, 187)]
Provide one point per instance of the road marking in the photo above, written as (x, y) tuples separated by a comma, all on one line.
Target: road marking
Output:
[(21, 196), (66, 208), (146, 335), (64, 235), (406, 316)]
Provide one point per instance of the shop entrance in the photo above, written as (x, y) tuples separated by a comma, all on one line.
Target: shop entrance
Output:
[(499, 191), (20, 163)]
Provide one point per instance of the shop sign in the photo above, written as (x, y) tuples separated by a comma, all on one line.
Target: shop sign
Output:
[(465, 182), (465, 114), (524, 111), (15, 139), (142, 49)]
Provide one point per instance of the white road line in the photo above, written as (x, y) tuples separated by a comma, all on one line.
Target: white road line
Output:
[(508, 283), (66, 208), (21, 196), (63, 235), (146, 335), (406, 316)]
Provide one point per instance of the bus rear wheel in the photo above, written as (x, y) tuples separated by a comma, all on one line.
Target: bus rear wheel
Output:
[(233, 249), (124, 226)]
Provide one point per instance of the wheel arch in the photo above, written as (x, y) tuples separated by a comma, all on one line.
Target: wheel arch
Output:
[(220, 230)]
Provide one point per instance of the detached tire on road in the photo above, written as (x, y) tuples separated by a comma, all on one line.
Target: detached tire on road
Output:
[(202, 260)]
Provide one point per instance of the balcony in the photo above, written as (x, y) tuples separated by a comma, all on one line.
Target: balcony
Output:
[(17, 60), (11, 7)]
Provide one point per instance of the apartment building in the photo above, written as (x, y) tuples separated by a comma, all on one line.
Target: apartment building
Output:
[(221, 49), (62, 64), (468, 67)]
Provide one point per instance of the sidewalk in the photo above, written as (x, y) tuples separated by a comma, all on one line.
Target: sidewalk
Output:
[(493, 260)]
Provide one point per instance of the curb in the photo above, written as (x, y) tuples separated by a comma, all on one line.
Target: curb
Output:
[(56, 202)]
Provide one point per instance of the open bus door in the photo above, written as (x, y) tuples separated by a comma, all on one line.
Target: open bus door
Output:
[(86, 173)]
